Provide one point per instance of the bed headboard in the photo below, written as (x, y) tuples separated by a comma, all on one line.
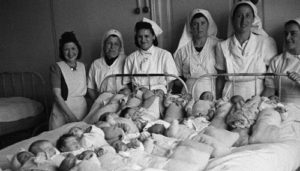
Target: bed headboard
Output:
[(24, 84)]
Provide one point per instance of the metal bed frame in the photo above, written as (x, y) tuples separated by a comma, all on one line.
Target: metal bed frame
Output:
[(234, 75), (131, 76), (24, 84)]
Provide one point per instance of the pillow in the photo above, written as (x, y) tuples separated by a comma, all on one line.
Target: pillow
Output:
[(219, 149), (16, 108), (219, 119), (226, 137), (197, 145), (179, 165), (267, 127)]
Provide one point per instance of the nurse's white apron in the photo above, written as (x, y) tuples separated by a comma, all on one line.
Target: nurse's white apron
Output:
[(76, 83), (201, 65)]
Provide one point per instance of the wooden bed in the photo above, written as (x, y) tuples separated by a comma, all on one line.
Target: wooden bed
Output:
[(23, 85)]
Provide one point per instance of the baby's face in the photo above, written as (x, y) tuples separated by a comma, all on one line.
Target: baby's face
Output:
[(207, 96), (71, 144), (78, 132), (132, 113), (48, 148), (24, 156)]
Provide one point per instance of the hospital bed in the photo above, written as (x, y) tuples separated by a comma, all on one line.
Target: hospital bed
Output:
[(283, 155), (23, 103)]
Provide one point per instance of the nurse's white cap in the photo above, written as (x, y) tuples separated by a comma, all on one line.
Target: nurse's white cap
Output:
[(157, 30)]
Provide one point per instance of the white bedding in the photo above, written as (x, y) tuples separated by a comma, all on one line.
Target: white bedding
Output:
[(283, 155), (16, 108)]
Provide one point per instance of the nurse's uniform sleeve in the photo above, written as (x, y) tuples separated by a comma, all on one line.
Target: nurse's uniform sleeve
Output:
[(178, 62), (91, 77), (170, 66), (270, 50), (127, 70), (220, 59), (269, 81)]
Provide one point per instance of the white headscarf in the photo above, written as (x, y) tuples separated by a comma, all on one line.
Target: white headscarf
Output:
[(186, 34), (109, 33), (157, 30), (256, 25)]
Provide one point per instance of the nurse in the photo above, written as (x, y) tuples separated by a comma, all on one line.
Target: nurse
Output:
[(110, 62), (68, 79), (287, 62), (149, 58), (195, 55), (248, 50)]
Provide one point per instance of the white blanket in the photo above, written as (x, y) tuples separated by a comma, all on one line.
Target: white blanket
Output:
[(16, 108)]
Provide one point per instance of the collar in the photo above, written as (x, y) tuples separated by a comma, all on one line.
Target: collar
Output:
[(237, 43), (290, 56), (150, 51)]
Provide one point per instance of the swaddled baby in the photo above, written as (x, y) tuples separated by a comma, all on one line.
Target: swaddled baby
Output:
[(41, 155), (90, 138), (175, 106), (243, 115)]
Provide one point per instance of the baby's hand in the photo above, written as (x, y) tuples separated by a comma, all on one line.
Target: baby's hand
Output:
[(85, 155)]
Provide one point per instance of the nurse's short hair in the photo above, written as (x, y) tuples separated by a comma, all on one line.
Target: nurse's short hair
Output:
[(68, 37), (144, 25)]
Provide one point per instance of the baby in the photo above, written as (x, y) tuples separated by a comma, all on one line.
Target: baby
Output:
[(69, 143), (90, 138), (115, 136), (204, 107), (20, 159)]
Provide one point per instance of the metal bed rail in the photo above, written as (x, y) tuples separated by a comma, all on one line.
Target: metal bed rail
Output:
[(131, 76), (234, 75)]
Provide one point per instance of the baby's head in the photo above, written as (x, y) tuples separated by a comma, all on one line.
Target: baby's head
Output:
[(76, 131), (126, 91), (159, 92), (207, 95), (237, 100), (130, 113), (43, 146), (68, 142), (157, 129), (108, 117)]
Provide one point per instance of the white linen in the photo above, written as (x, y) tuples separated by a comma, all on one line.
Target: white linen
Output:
[(16, 108)]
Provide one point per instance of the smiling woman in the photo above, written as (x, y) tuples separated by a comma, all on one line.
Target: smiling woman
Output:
[(287, 62), (149, 58), (248, 50), (68, 81)]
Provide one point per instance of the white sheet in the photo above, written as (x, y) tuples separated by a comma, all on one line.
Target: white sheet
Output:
[(281, 156), (16, 108)]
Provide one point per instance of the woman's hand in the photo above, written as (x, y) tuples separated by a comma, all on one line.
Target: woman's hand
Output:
[(294, 76)]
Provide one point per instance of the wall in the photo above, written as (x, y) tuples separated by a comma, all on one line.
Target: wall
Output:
[(276, 13), (30, 29)]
